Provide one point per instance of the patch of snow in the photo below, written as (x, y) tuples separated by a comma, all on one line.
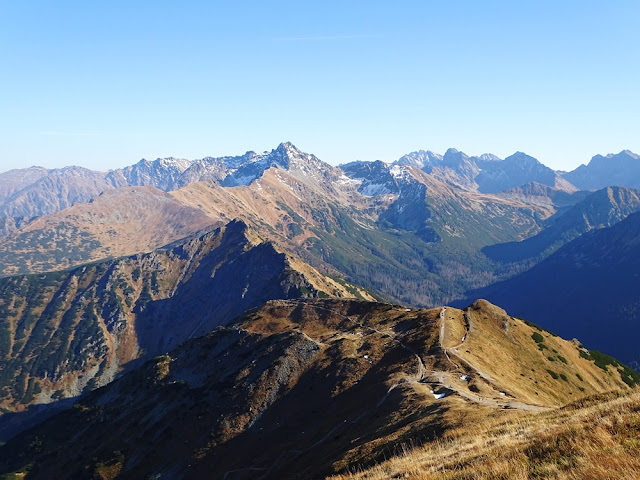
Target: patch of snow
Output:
[(373, 189), (244, 180), (344, 180), (397, 171)]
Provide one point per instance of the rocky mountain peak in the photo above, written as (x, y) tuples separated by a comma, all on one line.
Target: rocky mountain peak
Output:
[(522, 158), (624, 153), (489, 157), (285, 156), (613, 169), (454, 158), (288, 156), (421, 159)]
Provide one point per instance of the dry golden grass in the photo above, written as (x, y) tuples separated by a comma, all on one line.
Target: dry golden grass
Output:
[(594, 438), (503, 348)]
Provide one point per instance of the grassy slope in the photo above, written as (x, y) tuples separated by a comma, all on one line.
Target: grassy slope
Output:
[(596, 437), (311, 388), (119, 222)]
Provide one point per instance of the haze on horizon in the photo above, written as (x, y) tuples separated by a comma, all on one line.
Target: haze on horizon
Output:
[(103, 85)]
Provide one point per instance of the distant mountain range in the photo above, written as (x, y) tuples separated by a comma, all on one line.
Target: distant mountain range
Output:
[(347, 221), (36, 191), (239, 317), (423, 220), (622, 169), (487, 173)]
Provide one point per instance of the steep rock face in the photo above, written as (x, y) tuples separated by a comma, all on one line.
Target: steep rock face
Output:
[(375, 177), (308, 388), (162, 173), (286, 157), (600, 209), (588, 288), (64, 332), (622, 169), (462, 164), (422, 159)]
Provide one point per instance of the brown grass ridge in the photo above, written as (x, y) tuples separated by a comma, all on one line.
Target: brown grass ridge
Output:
[(593, 438)]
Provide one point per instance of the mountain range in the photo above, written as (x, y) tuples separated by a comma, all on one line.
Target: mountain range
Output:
[(420, 231), (269, 315), (327, 216), (36, 191)]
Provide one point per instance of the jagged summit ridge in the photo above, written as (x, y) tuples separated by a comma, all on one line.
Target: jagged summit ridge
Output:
[(29, 193), (486, 173), (287, 157), (622, 169)]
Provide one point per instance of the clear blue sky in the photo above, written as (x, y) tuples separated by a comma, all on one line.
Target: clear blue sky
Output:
[(105, 83)]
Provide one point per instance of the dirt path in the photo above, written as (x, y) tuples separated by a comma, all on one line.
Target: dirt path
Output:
[(441, 376), (422, 376)]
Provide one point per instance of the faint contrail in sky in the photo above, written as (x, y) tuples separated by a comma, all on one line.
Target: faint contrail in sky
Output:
[(72, 134), (327, 37)]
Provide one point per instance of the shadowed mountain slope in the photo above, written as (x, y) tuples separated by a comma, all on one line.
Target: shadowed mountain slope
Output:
[(538, 193), (65, 332), (588, 288), (600, 209)]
